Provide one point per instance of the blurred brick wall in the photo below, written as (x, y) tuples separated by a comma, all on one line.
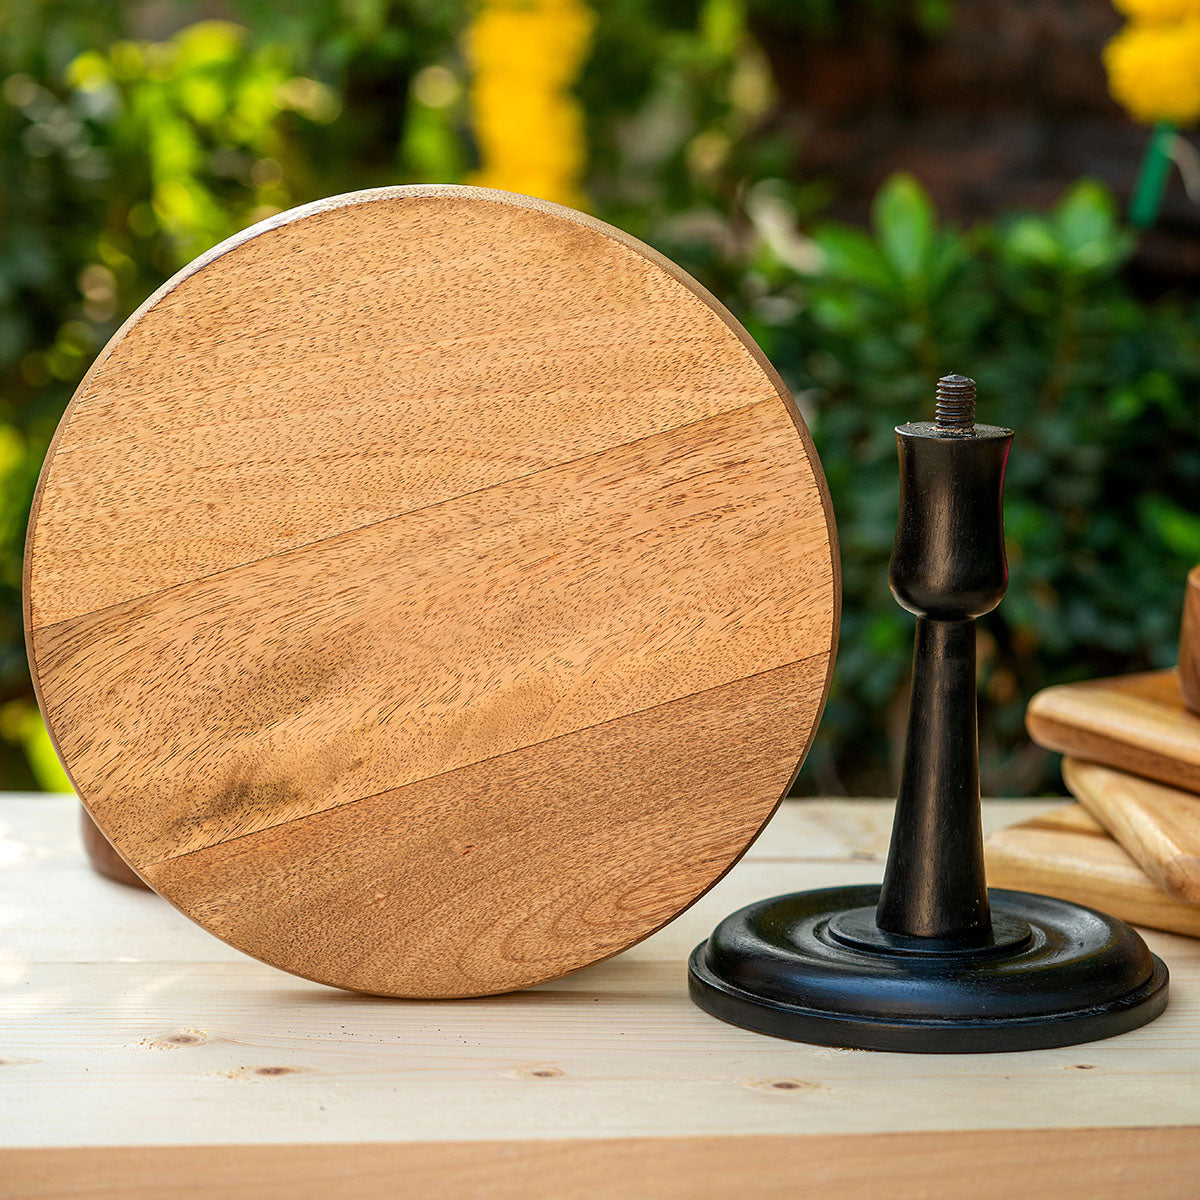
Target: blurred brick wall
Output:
[(1003, 111)]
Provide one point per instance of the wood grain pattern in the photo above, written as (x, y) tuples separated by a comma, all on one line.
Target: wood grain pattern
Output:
[(142, 1056), (1189, 643), (384, 520), (995, 1164), (430, 859), (103, 856), (1136, 723), (1158, 826), (1068, 854)]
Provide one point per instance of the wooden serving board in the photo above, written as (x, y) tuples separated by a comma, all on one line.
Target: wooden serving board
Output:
[(1066, 853), (1158, 826), (431, 591), (1136, 723), (1189, 643)]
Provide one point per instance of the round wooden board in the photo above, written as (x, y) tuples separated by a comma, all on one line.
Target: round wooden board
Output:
[(430, 591)]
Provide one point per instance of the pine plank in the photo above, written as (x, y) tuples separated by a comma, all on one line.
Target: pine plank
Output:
[(1099, 1164), (127, 1028)]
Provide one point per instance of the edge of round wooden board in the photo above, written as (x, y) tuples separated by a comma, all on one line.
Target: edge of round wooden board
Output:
[(353, 980)]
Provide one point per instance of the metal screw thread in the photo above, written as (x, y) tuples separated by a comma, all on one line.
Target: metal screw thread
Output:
[(955, 403)]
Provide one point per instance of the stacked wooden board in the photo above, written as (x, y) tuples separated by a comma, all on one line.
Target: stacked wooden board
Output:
[(1131, 845)]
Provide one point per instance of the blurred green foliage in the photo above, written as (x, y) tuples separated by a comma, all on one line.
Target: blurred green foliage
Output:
[(126, 150), (1100, 512)]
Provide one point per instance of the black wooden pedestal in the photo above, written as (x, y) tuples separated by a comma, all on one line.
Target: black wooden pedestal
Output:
[(931, 961)]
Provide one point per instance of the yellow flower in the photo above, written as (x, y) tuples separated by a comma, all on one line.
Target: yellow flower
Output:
[(1154, 71), (1158, 11), (526, 55)]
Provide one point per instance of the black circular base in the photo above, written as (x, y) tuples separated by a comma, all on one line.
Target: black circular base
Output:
[(813, 967)]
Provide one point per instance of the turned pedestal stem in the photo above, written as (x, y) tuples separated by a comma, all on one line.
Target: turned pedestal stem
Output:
[(931, 962), (948, 567)]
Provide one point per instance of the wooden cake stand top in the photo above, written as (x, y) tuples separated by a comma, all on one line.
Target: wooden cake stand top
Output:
[(430, 591)]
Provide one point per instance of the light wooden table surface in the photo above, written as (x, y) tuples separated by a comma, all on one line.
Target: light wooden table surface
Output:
[(140, 1057)]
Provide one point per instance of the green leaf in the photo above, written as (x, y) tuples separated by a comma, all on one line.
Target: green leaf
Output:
[(1031, 240), (852, 257), (1177, 529), (1087, 228), (1087, 213), (905, 224)]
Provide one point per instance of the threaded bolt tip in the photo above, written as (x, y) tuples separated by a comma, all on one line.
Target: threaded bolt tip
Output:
[(955, 407)]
